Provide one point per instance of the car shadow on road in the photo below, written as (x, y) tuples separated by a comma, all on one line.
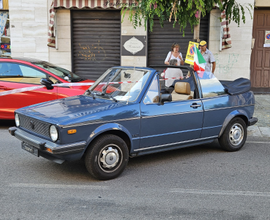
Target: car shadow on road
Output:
[(168, 156), (7, 123), (74, 171)]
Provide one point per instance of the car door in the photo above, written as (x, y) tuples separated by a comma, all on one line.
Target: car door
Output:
[(171, 123), (16, 76)]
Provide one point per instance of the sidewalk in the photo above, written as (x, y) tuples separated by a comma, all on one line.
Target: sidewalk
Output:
[(262, 112)]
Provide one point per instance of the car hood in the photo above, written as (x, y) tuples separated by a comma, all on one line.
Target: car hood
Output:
[(74, 109)]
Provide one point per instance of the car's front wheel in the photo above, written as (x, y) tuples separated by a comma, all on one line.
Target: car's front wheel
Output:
[(234, 136), (107, 157)]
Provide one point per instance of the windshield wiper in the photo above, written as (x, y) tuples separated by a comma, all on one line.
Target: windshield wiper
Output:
[(114, 99), (88, 92)]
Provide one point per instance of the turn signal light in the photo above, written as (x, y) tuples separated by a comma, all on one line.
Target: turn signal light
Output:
[(72, 131), (49, 150)]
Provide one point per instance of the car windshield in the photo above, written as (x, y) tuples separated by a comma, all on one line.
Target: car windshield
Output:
[(60, 72), (120, 84)]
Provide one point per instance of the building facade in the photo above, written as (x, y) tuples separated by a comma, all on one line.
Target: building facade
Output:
[(91, 36)]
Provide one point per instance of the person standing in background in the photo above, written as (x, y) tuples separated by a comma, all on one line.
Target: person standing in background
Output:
[(208, 56), (175, 54)]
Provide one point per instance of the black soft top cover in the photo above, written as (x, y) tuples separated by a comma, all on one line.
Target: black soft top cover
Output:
[(237, 86)]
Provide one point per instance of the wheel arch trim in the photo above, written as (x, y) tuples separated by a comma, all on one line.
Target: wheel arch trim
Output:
[(107, 128), (233, 114)]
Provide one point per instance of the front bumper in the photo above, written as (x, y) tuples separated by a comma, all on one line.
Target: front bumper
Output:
[(48, 149), (252, 121)]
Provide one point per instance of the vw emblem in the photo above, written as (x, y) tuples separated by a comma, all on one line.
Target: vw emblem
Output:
[(32, 125)]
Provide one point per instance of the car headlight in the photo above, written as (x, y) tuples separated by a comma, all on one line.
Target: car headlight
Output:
[(53, 133), (17, 120)]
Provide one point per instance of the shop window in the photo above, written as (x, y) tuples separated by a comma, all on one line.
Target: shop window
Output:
[(4, 33)]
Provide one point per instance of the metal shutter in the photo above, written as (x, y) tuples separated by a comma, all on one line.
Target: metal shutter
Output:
[(204, 28), (95, 41), (161, 39)]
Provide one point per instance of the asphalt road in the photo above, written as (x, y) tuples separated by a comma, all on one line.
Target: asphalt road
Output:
[(201, 182)]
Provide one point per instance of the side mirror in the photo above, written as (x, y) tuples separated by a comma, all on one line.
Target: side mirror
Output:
[(47, 82), (165, 97)]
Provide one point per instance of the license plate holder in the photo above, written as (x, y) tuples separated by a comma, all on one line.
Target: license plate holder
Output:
[(30, 149)]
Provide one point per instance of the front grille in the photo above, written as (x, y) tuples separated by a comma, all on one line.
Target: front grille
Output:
[(34, 125)]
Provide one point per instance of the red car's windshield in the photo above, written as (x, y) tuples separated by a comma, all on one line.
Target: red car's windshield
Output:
[(60, 72)]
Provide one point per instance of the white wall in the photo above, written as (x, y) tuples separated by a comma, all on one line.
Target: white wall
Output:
[(29, 28), (62, 55), (234, 62)]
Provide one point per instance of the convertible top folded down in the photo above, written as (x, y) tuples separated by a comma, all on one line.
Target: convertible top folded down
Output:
[(238, 86)]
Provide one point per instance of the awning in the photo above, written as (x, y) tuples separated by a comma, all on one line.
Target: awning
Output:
[(226, 36), (79, 4)]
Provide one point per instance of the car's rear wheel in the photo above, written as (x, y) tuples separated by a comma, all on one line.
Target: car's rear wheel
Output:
[(107, 157), (234, 136)]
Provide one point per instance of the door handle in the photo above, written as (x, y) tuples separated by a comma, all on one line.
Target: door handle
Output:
[(195, 105)]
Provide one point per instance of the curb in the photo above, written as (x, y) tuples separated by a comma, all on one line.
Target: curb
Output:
[(255, 131)]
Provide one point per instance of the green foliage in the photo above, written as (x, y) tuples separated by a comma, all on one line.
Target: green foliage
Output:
[(181, 12)]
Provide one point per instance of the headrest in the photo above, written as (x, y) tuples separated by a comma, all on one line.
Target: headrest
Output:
[(182, 87)]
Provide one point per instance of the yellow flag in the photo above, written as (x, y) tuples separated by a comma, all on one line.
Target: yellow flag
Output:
[(190, 52)]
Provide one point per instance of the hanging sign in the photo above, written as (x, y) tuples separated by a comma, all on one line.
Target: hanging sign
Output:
[(190, 52)]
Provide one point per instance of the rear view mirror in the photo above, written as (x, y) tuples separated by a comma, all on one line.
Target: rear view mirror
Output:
[(47, 82)]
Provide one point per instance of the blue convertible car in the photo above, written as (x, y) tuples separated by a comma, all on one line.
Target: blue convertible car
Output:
[(127, 113)]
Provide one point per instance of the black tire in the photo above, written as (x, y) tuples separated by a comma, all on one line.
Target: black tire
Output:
[(107, 157), (234, 136)]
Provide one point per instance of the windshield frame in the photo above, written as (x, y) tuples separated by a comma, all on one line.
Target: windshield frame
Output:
[(121, 85)]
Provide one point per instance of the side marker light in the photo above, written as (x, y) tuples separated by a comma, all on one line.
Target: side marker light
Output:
[(72, 131)]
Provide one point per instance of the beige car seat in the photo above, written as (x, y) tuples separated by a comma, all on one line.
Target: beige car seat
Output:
[(181, 91)]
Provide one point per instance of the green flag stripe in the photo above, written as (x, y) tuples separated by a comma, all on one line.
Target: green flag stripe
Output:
[(200, 57)]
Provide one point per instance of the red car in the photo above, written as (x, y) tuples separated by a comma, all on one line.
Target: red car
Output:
[(27, 72)]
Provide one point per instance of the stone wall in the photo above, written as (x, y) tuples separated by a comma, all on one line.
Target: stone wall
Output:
[(61, 55), (29, 28), (234, 62)]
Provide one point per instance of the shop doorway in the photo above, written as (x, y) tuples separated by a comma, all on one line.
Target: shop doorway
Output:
[(260, 57), (95, 41)]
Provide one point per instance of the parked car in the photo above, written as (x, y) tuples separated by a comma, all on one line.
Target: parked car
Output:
[(107, 127), (18, 73)]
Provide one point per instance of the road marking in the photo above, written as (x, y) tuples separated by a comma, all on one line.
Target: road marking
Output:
[(174, 190), (257, 142), (221, 192), (55, 186)]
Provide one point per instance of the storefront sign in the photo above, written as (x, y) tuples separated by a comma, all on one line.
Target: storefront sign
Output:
[(190, 52), (119, 4), (267, 39), (133, 45)]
